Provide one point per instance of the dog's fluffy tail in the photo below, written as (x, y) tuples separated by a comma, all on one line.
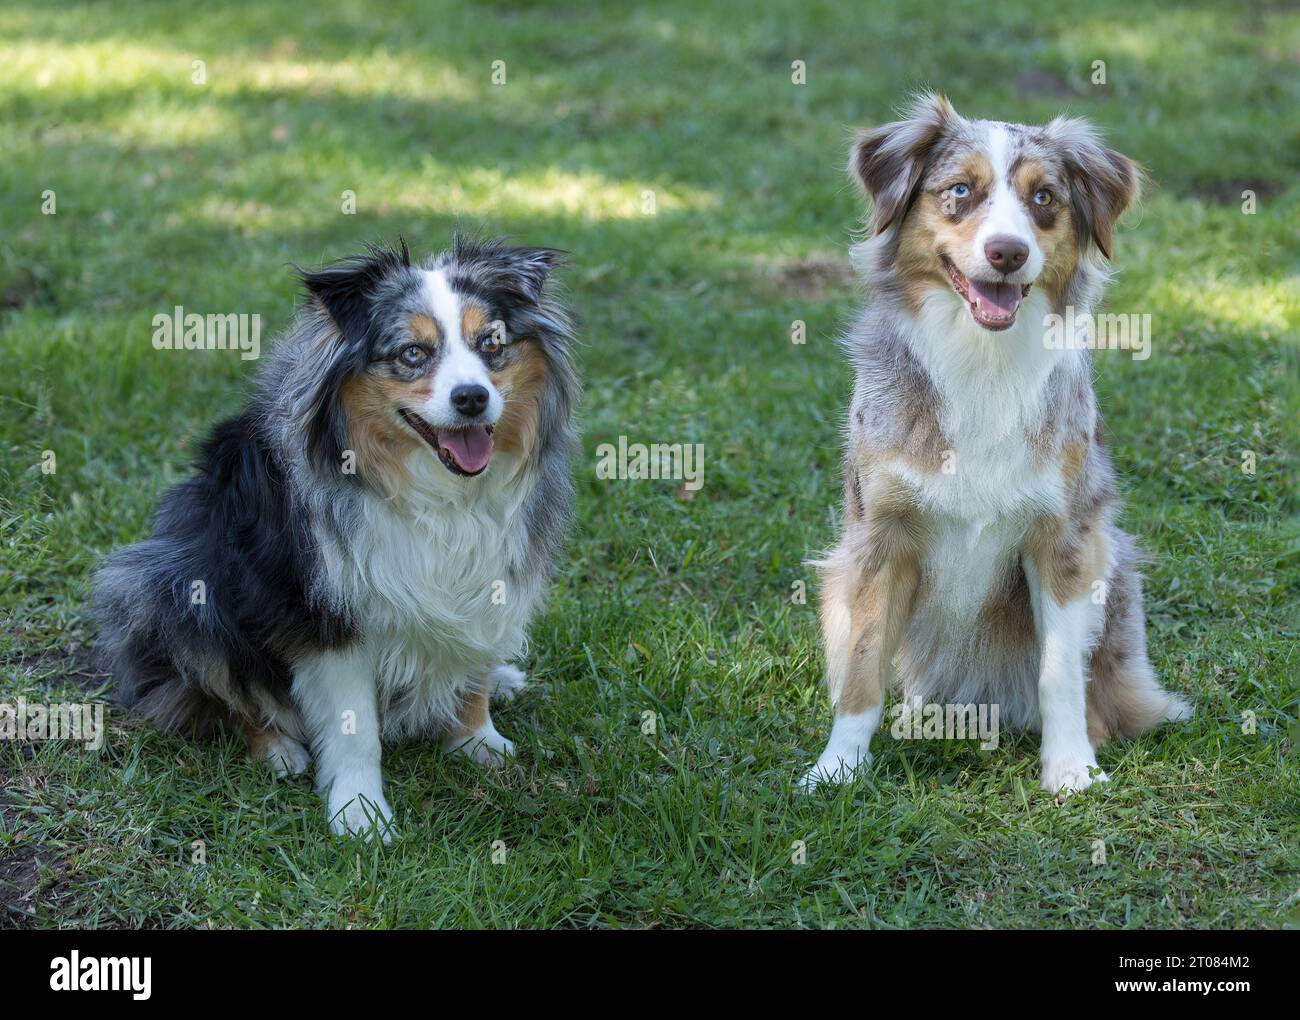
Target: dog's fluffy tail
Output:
[(1128, 702)]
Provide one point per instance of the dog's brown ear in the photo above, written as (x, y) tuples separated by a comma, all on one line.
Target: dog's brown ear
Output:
[(888, 161), (1103, 182)]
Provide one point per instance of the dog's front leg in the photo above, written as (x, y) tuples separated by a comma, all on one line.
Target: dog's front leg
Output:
[(335, 692), (863, 615), (1065, 620)]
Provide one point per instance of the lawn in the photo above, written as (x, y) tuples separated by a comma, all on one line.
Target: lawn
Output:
[(703, 198)]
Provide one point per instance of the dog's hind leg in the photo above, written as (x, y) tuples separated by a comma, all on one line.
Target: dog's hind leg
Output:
[(279, 750), (1124, 698), (507, 681), (473, 734)]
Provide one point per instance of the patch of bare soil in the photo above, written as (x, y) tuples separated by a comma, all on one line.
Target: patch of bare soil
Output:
[(816, 277)]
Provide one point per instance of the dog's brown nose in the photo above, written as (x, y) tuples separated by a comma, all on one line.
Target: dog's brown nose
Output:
[(1005, 254)]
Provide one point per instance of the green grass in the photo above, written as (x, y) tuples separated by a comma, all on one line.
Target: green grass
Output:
[(171, 193)]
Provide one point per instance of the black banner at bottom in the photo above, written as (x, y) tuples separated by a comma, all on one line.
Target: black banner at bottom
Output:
[(144, 969)]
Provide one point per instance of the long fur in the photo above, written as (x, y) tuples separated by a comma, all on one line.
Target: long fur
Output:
[(273, 555), (979, 539)]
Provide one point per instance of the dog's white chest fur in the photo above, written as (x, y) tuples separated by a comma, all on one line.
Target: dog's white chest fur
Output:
[(993, 387), (434, 583)]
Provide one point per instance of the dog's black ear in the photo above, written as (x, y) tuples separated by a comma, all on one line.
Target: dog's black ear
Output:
[(1103, 182), (888, 161), (345, 287), (517, 272)]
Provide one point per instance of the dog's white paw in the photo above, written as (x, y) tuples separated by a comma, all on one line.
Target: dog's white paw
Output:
[(834, 768), (507, 682), (359, 814), (285, 755), (1071, 775), (847, 750), (485, 746), (1179, 710)]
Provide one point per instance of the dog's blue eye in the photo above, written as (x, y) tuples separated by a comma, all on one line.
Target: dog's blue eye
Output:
[(1042, 197), (960, 191), (413, 355)]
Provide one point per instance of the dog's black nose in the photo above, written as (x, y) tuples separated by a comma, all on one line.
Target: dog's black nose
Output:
[(469, 399), (1005, 254)]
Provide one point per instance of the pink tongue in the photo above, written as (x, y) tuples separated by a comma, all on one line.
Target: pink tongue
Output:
[(470, 448), (996, 300)]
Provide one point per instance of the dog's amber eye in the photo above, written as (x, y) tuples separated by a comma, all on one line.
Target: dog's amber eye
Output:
[(414, 355), (1042, 197), (489, 344)]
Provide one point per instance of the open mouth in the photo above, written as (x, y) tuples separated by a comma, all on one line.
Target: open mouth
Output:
[(463, 451), (993, 305)]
